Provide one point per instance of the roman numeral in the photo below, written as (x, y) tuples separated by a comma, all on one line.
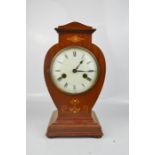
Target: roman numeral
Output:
[(74, 87), (83, 56), (88, 62), (83, 85), (57, 70), (88, 78), (74, 53), (66, 56), (59, 62), (66, 84), (59, 78)]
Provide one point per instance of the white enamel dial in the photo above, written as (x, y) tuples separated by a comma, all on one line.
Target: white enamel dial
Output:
[(74, 70)]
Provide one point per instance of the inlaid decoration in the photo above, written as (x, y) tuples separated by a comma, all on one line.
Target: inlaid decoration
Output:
[(74, 107), (75, 39)]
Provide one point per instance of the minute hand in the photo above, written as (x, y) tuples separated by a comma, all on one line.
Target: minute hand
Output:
[(85, 71)]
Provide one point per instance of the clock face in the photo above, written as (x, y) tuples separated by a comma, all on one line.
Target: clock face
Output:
[(74, 70)]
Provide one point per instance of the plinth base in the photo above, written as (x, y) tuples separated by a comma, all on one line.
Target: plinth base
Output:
[(74, 128)]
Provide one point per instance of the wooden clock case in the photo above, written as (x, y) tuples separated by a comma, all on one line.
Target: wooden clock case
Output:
[(74, 116)]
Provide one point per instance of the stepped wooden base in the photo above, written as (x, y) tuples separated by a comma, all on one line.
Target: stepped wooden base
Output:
[(74, 129)]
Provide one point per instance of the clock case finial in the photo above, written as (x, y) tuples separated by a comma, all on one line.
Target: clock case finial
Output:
[(77, 31), (75, 27)]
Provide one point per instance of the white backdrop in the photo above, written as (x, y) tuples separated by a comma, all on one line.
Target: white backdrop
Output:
[(110, 17)]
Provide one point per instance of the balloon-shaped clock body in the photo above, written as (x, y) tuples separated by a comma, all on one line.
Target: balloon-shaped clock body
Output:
[(74, 71)]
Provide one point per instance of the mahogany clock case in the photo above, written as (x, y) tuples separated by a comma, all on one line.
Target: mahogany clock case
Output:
[(74, 116)]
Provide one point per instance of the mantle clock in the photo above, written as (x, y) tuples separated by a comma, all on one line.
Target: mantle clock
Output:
[(74, 71)]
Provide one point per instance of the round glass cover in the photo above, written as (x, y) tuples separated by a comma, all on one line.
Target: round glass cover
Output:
[(74, 70)]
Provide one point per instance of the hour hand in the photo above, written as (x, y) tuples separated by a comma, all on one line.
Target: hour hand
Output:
[(79, 64)]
